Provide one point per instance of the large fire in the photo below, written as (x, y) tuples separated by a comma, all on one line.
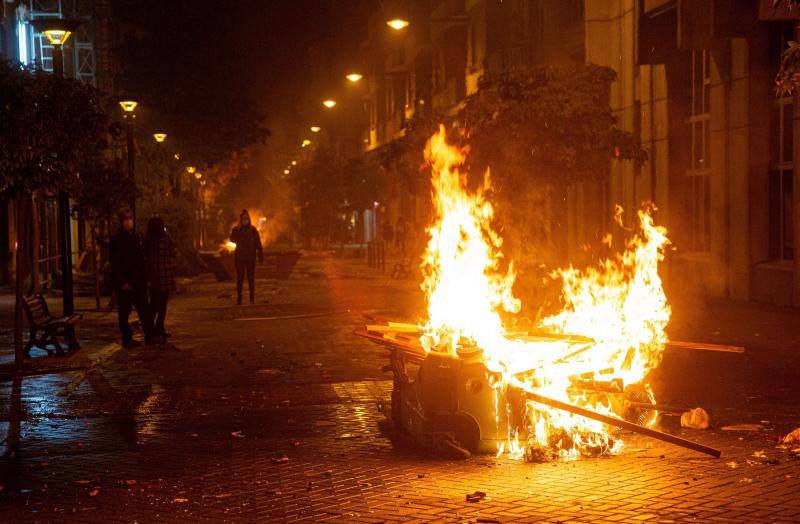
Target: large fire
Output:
[(610, 330)]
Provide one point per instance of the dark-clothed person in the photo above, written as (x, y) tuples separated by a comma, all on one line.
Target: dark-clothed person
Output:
[(159, 254), (400, 234), (248, 248), (129, 280)]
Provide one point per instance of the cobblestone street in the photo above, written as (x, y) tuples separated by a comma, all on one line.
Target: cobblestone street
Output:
[(272, 413)]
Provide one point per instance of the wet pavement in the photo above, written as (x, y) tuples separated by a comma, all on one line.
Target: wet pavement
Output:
[(271, 413)]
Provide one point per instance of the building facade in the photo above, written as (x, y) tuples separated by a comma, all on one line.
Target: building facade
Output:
[(695, 83)]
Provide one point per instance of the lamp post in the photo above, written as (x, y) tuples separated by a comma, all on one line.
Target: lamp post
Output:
[(159, 138), (57, 31), (128, 107)]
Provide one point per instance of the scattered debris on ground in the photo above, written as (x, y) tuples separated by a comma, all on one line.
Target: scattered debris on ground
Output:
[(696, 418), (476, 496), (743, 427), (792, 440)]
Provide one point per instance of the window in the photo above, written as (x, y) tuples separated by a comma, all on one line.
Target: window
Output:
[(699, 121), (22, 36), (781, 179)]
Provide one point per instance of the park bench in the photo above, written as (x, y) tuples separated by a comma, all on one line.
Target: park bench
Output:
[(47, 329)]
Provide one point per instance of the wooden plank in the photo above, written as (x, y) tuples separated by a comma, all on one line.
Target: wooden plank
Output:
[(624, 424), (676, 344)]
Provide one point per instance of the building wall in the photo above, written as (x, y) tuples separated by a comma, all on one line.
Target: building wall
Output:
[(695, 82), (654, 98)]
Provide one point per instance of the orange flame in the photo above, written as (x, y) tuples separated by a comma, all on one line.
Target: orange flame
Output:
[(615, 314)]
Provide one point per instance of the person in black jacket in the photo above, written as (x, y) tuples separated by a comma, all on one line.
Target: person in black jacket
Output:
[(248, 247), (129, 280)]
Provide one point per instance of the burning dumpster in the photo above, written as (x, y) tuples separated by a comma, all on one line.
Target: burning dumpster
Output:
[(558, 390)]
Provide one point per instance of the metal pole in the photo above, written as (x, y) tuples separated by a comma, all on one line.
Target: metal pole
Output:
[(65, 217), (65, 230), (131, 171)]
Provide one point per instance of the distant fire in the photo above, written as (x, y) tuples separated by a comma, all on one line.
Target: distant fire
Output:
[(615, 313), (269, 228)]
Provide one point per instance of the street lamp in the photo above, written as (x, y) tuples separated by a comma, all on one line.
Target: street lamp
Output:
[(129, 106), (397, 23), (329, 103), (159, 137), (191, 169), (306, 142), (294, 162), (128, 109), (57, 31), (315, 129), (354, 77), (285, 171)]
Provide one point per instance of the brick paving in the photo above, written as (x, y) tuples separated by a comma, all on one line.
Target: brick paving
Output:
[(278, 420)]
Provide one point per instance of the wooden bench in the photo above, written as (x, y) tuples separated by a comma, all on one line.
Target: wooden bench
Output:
[(46, 329)]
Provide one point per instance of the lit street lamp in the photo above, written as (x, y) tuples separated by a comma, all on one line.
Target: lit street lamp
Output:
[(315, 129), (397, 23), (329, 103), (305, 143), (159, 138), (294, 162), (354, 77), (285, 171), (128, 107), (57, 31)]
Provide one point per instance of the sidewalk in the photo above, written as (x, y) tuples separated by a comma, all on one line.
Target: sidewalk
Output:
[(274, 419)]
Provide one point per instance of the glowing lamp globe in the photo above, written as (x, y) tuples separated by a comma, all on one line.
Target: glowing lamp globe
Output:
[(329, 103), (129, 106), (57, 36), (56, 30), (397, 23)]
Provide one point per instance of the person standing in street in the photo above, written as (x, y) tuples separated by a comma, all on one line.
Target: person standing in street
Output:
[(248, 247), (129, 280), (159, 254), (400, 234)]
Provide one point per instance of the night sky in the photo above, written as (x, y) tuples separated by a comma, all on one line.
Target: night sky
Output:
[(197, 64), (259, 45)]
